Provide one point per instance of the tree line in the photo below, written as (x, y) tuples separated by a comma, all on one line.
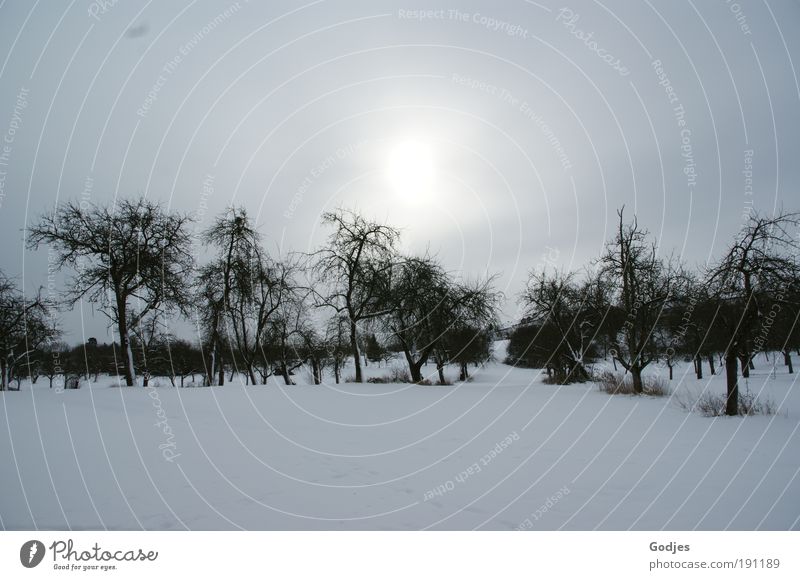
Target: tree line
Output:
[(357, 297), (254, 312), (638, 306)]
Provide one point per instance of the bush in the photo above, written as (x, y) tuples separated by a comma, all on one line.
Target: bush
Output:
[(561, 377), (397, 375), (656, 387), (553, 379), (713, 404), (615, 384)]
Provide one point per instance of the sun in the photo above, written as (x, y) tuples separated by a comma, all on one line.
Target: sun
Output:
[(410, 169)]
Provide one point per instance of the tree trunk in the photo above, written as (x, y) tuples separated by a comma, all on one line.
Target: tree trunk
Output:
[(124, 338), (125, 343), (336, 372), (416, 371), (414, 368), (636, 374), (440, 369), (787, 359), (285, 374), (212, 367), (463, 374), (699, 361), (354, 346), (315, 370), (732, 378), (711, 364), (743, 359)]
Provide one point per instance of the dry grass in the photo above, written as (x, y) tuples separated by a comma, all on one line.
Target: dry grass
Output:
[(618, 384), (714, 404), (397, 375)]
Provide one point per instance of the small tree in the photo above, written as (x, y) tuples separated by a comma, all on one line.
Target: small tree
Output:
[(178, 359), (54, 360), (573, 310), (466, 345), (374, 350)]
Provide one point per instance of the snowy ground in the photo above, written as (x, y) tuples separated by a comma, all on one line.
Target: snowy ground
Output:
[(501, 452)]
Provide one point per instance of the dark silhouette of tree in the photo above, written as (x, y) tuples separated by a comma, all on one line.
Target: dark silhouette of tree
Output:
[(337, 344), (374, 350), (243, 290), (25, 326), (641, 284), (573, 310), (757, 272), (129, 254), (424, 303), (353, 271)]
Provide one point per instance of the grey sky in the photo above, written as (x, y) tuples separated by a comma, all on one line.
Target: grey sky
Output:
[(291, 108)]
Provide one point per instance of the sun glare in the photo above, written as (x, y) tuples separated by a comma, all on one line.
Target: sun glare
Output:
[(410, 169)]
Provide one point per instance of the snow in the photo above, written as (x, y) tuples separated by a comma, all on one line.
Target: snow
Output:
[(503, 451)]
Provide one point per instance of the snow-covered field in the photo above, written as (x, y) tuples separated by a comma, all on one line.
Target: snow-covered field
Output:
[(503, 451)]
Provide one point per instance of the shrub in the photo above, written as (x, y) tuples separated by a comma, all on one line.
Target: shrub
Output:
[(713, 404), (397, 375), (553, 379), (615, 384), (656, 387)]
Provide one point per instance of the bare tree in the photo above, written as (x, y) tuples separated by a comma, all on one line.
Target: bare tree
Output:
[(129, 252), (25, 325), (286, 337), (337, 344), (424, 303), (355, 270), (642, 285), (260, 288), (237, 243), (243, 290), (209, 315), (575, 311), (758, 270)]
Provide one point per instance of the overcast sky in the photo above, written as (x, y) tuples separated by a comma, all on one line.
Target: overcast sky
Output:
[(520, 126)]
